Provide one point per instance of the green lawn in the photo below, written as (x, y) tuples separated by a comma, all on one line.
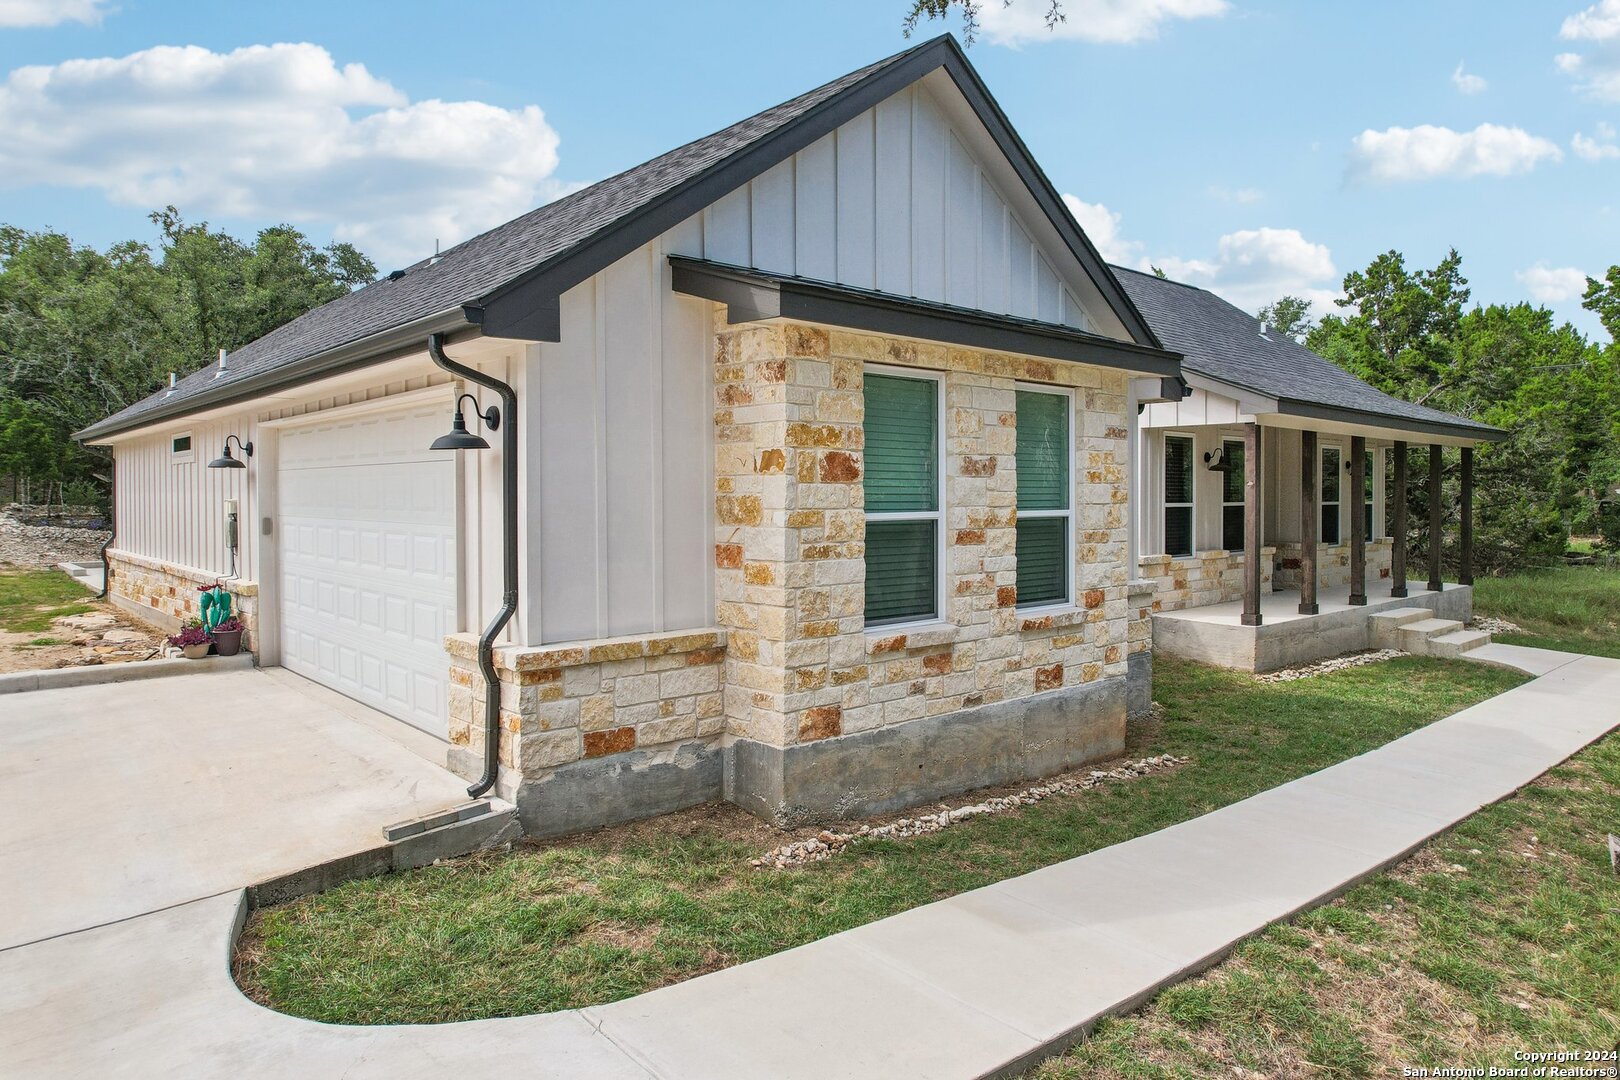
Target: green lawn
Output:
[(1574, 608), (1501, 935), (613, 914), (30, 599)]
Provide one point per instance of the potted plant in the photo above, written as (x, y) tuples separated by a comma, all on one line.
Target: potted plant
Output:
[(192, 641), (227, 635)]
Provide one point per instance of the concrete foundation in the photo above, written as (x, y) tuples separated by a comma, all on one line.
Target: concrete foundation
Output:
[(894, 767), (1213, 635), (1139, 685), (596, 792)]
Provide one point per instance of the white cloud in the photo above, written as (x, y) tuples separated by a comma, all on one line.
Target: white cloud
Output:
[(1553, 284), (1021, 22), (1426, 152), (1597, 73), (1242, 196), (1253, 267), (277, 133), (20, 13), (1598, 148), (1101, 226), (1467, 83)]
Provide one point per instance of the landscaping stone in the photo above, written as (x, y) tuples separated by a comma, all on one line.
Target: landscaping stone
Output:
[(1323, 667)]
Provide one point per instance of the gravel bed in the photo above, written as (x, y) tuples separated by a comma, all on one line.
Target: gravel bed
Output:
[(827, 843), (1323, 667), (1492, 625)]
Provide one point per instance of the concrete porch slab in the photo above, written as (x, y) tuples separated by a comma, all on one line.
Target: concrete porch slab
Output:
[(1214, 634)]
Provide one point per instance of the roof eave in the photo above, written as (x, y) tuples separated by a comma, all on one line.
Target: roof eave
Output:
[(1314, 411), (355, 354), (752, 295)]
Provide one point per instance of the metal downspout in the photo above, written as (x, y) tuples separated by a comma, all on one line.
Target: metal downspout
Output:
[(112, 533), (509, 557)]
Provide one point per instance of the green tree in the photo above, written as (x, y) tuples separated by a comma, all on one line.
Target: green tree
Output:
[(941, 9), (1289, 315), (1603, 300)]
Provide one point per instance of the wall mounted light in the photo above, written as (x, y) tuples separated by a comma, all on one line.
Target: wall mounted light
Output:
[(1217, 461), (226, 461), (462, 439)]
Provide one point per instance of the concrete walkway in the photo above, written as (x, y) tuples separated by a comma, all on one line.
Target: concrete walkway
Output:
[(981, 984)]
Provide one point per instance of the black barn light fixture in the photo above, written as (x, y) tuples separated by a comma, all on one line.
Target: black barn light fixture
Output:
[(226, 461), (462, 439)]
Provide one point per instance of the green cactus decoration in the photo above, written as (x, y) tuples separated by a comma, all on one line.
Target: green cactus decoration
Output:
[(214, 603)]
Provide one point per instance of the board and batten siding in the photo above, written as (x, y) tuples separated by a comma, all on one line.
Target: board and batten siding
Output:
[(172, 507), (895, 200)]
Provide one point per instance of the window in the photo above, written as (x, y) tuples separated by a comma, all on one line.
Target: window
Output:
[(1367, 495), (902, 499), (1045, 503), (180, 448), (1232, 494), (1178, 495), (1331, 485)]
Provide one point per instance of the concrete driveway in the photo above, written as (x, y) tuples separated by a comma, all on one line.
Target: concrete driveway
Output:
[(127, 798)]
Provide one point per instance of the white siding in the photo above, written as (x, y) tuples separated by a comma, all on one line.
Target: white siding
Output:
[(620, 537), (897, 200), (175, 511)]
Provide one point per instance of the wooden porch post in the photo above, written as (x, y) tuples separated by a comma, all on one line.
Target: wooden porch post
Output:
[(1358, 520), (1397, 551), (1465, 572), (1307, 523), (1436, 466), (1251, 524)]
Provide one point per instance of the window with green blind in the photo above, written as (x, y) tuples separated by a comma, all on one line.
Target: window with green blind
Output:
[(1331, 481), (1367, 494), (902, 499), (1045, 500), (1178, 495), (1232, 484)]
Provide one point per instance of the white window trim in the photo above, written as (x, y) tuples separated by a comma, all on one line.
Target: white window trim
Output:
[(1374, 480), (937, 515), (1321, 491), (1164, 488), (1228, 440), (186, 456), (1074, 548)]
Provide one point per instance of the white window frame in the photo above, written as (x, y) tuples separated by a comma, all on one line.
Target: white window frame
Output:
[(937, 515), (1321, 491), (186, 456), (1074, 547), (1164, 489), (1374, 480), (1229, 440)]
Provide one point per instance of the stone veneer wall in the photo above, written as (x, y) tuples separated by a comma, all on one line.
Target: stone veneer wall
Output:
[(802, 669), (649, 705), (1332, 564), (165, 594), (1209, 577)]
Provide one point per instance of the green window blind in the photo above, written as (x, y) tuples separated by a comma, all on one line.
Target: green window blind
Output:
[(901, 570), (902, 498), (1043, 451), (1043, 560), (902, 447)]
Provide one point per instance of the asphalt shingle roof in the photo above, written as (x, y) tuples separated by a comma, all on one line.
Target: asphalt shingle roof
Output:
[(1222, 342), (476, 267)]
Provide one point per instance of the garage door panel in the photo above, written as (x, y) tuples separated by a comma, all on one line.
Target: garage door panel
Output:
[(368, 560)]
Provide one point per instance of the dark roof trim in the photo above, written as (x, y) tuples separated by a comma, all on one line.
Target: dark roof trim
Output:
[(350, 357), (528, 306), (1313, 411), (751, 295)]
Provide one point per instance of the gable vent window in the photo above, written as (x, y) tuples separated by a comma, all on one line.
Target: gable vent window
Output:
[(902, 472), (1232, 485), (1045, 502), (1178, 495), (180, 448)]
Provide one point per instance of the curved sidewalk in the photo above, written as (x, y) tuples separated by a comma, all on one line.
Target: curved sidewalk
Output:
[(980, 984)]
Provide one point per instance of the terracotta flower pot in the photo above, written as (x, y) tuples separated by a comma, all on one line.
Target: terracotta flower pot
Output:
[(227, 642), (195, 652)]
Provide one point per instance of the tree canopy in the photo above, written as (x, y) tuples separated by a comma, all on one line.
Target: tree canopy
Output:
[(83, 333)]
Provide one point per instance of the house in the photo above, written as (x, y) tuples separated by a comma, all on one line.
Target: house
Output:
[(1267, 498), (793, 470)]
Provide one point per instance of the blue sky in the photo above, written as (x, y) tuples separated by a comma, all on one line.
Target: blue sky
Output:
[(1254, 146)]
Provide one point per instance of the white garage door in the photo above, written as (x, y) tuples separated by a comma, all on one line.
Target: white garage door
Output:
[(368, 559)]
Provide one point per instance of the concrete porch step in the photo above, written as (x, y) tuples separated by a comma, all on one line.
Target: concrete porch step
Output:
[(1386, 625), (1458, 642)]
